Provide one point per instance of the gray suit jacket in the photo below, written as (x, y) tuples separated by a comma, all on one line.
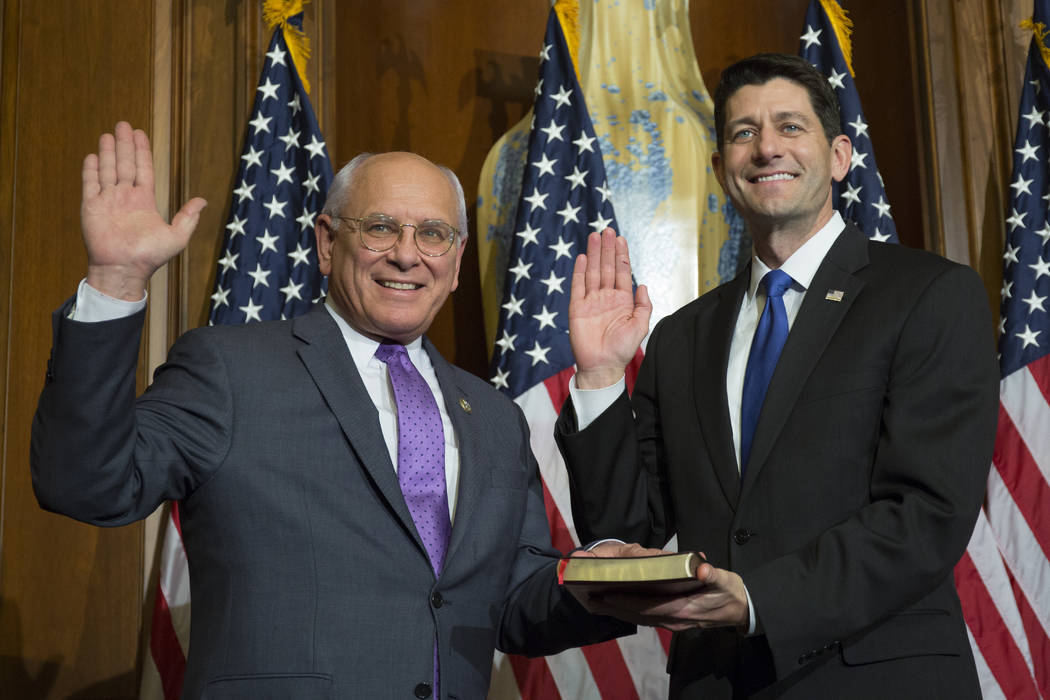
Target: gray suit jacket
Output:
[(308, 577), (866, 475)]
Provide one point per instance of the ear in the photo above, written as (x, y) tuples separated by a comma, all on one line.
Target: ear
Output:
[(325, 240), (841, 157), (459, 260), (719, 168)]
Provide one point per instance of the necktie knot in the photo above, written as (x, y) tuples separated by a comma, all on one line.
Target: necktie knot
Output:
[(776, 283), (390, 351)]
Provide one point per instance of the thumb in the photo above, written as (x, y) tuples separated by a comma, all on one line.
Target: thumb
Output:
[(185, 220)]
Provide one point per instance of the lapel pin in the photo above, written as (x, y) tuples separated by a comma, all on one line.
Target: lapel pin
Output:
[(464, 405), (834, 295)]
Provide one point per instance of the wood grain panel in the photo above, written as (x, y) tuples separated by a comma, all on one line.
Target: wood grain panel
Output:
[(69, 613)]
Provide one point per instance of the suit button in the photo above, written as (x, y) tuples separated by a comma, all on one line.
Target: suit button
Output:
[(742, 536), (436, 599), (422, 691)]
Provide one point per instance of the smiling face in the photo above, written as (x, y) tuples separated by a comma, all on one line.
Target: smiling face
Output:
[(394, 294), (776, 163)]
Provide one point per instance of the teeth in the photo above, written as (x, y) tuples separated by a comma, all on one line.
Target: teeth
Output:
[(399, 285), (778, 176)]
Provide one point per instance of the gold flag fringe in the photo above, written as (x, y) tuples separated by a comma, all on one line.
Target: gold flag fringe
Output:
[(569, 17), (843, 27), (1040, 32), (276, 14)]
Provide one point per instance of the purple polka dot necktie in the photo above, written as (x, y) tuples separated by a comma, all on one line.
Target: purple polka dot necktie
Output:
[(420, 452)]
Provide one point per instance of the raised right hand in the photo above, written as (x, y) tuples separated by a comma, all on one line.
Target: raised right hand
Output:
[(126, 237), (607, 319)]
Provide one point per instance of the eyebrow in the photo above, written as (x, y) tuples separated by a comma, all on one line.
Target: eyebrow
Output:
[(786, 115)]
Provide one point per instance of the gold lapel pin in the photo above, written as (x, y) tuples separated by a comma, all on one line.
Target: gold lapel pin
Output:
[(834, 295), (464, 405)]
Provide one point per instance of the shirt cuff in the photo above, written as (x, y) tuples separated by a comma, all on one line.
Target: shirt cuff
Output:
[(591, 403), (752, 621), (92, 306)]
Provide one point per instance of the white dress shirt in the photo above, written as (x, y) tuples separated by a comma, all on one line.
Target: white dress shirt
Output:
[(92, 306)]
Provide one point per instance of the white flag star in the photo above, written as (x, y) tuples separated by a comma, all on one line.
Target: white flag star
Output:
[(1010, 255), (513, 306), (561, 98), (259, 276), (1021, 185), (291, 139), (568, 213), (276, 56), (1040, 268), (836, 79), (236, 226), (528, 235), (1044, 232), (506, 341), (857, 160), (251, 311), (599, 223), (545, 165), (538, 354), (1028, 151), (1034, 117), (604, 191), (283, 174), (500, 380), (546, 318), (562, 248), (577, 178), (310, 184), (812, 36), (267, 241), (1035, 303), (1015, 219), (305, 220), (295, 104), (520, 270), (537, 200), (852, 194), (229, 261), (291, 290), (859, 127), (300, 255), (553, 131), (220, 298), (315, 147), (584, 143), (276, 208), (252, 157), (269, 90), (244, 192), (882, 206), (260, 123), (553, 284), (1028, 336)]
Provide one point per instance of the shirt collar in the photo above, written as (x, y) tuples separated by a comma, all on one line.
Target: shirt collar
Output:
[(803, 263), (363, 349)]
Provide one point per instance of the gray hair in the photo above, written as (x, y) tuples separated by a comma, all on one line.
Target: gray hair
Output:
[(343, 182)]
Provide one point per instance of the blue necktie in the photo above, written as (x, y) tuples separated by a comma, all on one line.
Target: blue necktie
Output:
[(769, 340)]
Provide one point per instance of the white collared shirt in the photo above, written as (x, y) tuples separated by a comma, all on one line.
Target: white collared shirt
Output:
[(92, 305), (801, 266)]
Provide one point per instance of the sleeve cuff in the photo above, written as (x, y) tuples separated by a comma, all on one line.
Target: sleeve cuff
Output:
[(92, 306), (591, 403)]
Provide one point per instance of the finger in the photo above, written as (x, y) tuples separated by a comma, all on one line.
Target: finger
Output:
[(594, 257), (643, 307), (579, 284), (125, 153), (185, 220), (623, 264), (143, 160), (608, 262), (89, 178), (107, 156)]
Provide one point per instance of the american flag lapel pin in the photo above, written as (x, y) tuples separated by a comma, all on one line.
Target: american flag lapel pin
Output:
[(834, 295)]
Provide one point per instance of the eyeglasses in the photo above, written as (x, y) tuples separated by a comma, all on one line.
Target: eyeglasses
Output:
[(380, 233)]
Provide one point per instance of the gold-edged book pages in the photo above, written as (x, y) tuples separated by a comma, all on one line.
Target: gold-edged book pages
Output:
[(665, 574)]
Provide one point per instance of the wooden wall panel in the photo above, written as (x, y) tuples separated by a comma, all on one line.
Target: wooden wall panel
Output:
[(69, 593)]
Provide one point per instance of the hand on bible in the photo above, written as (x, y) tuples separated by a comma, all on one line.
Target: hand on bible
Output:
[(126, 237), (721, 602), (607, 320)]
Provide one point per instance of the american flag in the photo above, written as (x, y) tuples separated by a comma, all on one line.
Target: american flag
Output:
[(861, 197), (268, 270), (1004, 578), (564, 197)]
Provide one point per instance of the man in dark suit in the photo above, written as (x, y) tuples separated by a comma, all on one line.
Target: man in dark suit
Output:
[(821, 427), (351, 531)]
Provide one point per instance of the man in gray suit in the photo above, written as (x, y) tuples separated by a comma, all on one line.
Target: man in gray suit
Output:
[(314, 575)]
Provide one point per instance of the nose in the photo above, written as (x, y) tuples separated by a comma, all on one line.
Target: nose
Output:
[(767, 145), (404, 254)]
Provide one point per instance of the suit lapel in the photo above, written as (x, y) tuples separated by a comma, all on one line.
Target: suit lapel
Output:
[(713, 336), (815, 324), (327, 359), (472, 470)]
